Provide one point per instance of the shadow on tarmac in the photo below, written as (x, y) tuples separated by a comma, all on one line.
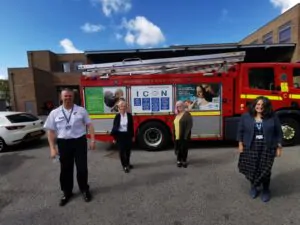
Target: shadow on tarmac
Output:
[(192, 145), (286, 183)]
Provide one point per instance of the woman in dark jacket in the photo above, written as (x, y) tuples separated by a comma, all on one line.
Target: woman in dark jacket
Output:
[(260, 137), (182, 127), (123, 133)]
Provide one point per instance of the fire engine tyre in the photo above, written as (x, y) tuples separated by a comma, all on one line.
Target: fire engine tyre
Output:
[(153, 136), (290, 129)]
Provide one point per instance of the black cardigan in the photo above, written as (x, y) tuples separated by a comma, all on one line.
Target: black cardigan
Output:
[(271, 128), (116, 124)]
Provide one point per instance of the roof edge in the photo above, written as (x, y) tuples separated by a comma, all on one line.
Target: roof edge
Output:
[(191, 47)]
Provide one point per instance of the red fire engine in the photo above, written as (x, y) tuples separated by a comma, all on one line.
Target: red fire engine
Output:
[(216, 89)]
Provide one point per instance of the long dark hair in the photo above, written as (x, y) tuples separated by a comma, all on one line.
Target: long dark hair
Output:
[(267, 107)]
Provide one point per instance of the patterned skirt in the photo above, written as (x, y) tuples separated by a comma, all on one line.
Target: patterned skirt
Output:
[(256, 163)]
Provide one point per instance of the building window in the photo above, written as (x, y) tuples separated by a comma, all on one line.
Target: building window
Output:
[(268, 38), (285, 33), (76, 64), (261, 78), (66, 67)]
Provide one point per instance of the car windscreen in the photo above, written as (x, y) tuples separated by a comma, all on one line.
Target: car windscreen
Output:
[(21, 118)]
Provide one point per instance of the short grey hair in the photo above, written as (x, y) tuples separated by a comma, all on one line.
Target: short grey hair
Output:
[(179, 103)]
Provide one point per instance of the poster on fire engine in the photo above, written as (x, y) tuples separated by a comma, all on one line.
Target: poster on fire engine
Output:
[(100, 100), (147, 99), (199, 97)]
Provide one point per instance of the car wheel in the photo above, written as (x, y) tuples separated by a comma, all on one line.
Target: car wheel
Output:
[(3, 146)]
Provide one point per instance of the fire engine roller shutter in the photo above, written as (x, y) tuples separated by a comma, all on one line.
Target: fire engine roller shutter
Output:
[(207, 124)]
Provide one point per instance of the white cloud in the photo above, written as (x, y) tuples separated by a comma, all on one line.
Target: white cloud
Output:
[(118, 36), (129, 38), (3, 73), (92, 28), (142, 32), (284, 5), (113, 6), (68, 46)]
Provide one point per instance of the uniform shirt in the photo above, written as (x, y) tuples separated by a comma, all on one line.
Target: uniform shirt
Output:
[(57, 122), (123, 123)]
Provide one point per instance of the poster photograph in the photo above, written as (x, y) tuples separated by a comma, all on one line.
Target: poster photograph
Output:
[(199, 97), (147, 99), (100, 100)]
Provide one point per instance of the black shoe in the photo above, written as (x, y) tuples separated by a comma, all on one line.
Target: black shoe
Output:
[(184, 164), (131, 166), (65, 199), (87, 196), (126, 169), (179, 164)]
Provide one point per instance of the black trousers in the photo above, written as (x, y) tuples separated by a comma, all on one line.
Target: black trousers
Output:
[(70, 151), (266, 182), (181, 149), (124, 141)]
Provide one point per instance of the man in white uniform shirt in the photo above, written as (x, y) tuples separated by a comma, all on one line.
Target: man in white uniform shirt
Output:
[(66, 126)]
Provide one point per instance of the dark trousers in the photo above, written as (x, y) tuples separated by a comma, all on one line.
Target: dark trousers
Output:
[(124, 141), (70, 151), (181, 148), (266, 182)]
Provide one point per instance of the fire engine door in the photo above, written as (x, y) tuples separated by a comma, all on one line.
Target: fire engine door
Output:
[(259, 80)]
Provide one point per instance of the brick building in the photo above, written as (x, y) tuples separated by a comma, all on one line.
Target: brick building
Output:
[(47, 73), (283, 29)]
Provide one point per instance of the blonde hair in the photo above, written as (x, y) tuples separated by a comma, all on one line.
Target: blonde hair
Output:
[(122, 102)]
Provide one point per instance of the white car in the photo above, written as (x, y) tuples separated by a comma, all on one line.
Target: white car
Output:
[(18, 127)]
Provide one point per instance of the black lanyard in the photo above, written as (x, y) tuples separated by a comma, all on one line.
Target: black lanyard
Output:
[(68, 119)]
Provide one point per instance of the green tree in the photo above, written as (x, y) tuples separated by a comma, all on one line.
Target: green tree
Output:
[(4, 89)]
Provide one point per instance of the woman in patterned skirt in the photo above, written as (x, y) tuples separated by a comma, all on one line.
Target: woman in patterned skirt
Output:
[(260, 138)]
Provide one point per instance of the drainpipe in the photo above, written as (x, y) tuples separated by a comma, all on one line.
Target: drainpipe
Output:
[(13, 90)]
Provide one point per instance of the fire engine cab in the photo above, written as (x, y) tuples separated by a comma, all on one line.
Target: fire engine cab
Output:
[(216, 89)]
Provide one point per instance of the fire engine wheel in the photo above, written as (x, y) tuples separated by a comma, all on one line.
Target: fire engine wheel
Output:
[(153, 136), (290, 130)]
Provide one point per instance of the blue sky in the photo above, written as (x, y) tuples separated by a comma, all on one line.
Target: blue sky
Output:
[(77, 25)]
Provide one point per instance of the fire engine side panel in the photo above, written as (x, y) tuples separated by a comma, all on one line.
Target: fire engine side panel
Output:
[(103, 126), (206, 127), (207, 120), (101, 103), (203, 100)]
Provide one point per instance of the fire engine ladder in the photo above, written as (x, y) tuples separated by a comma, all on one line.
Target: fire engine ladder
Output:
[(187, 64)]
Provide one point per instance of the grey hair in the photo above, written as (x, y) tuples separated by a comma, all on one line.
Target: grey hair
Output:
[(179, 103), (67, 90)]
